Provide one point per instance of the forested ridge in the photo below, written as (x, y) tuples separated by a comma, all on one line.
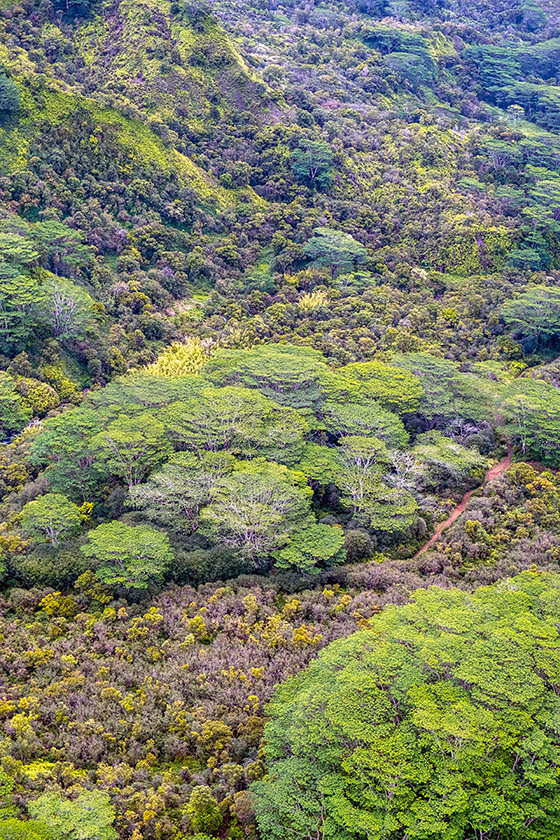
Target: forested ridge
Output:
[(279, 285)]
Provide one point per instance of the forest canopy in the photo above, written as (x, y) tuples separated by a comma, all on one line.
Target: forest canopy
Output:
[(279, 307), (437, 721)]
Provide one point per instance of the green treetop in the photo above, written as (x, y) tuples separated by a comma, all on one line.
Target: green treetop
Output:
[(312, 547), (131, 447), (256, 507), (448, 393), (320, 464), (174, 495), (14, 413), (535, 314), (9, 95), (12, 828), (335, 250), (545, 196), (50, 517), (446, 461), (141, 390), (20, 295), (312, 162), (202, 810), (531, 409), (438, 722), (17, 249), (372, 502), (356, 419), (88, 817), (289, 375), (60, 247), (394, 388), (128, 556), (238, 419), (64, 445)]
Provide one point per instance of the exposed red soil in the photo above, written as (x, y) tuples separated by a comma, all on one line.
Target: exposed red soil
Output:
[(493, 473)]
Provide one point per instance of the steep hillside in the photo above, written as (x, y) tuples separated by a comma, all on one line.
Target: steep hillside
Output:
[(168, 60), (84, 142)]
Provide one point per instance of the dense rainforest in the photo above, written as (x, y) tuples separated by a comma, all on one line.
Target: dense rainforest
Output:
[(279, 419)]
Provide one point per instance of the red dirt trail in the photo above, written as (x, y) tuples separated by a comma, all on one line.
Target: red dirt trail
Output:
[(491, 475)]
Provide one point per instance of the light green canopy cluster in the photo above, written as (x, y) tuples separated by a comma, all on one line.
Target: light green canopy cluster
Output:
[(438, 723)]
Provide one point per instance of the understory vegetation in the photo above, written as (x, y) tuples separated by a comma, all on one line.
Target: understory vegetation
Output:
[(279, 290)]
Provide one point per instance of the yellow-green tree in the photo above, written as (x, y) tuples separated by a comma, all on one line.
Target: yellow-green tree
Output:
[(438, 722)]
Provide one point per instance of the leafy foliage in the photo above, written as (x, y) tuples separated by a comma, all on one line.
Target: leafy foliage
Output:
[(131, 447), (49, 517), (179, 359), (128, 556), (14, 414), (88, 817), (289, 375), (535, 315), (465, 704), (256, 507), (313, 162), (9, 95), (532, 409), (280, 282), (336, 250)]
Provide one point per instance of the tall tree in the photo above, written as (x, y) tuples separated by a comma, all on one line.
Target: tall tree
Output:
[(439, 721), (64, 447), (67, 309), (128, 556), (535, 315), (238, 419), (9, 95), (131, 447), (289, 375), (448, 393), (20, 295), (61, 248), (311, 548), (312, 162), (88, 817), (256, 507), (175, 494), (446, 462), (394, 388), (357, 419), (531, 409), (335, 250), (50, 517), (14, 413)]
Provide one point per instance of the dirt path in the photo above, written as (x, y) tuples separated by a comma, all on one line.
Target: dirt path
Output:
[(491, 475)]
